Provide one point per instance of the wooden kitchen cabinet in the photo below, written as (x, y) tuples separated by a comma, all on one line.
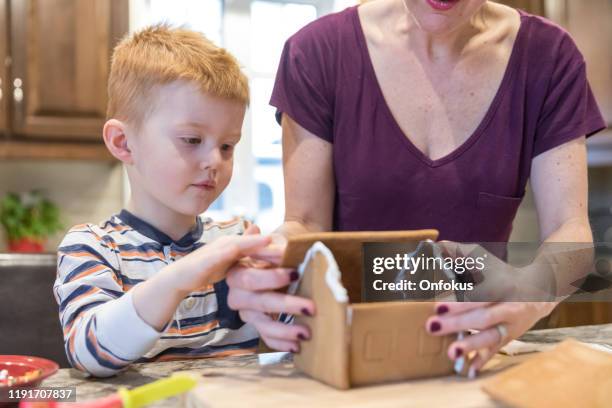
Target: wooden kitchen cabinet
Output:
[(4, 73), (580, 314), (591, 29), (60, 51)]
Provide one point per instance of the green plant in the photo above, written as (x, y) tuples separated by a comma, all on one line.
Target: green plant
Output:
[(28, 215)]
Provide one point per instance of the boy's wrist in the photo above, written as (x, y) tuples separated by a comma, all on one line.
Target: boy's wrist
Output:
[(171, 278)]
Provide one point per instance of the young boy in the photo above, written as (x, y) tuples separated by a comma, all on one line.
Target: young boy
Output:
[(147, 284)]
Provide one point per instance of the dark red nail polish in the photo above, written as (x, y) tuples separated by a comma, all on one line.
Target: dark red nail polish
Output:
[(293, 350), (442, 309), (294, 276), (458, 352), (434, 327), (301, 336), (306, 312)]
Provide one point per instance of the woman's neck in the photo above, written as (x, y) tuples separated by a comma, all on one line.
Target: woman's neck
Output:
[(443, 46)]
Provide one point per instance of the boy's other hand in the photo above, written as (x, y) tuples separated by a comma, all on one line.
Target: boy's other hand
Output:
[(202, 267)]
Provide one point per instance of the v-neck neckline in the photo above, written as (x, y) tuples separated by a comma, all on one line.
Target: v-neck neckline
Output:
[(507, 76)]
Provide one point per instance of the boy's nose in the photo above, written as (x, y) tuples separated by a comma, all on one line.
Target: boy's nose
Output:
[(211, 160)]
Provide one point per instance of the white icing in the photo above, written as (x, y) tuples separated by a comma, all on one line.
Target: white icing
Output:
[(332, 275)]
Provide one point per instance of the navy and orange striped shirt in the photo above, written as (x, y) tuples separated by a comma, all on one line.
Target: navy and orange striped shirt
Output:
[(103, 334)]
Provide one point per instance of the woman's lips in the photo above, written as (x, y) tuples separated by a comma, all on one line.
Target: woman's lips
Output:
[(442, 5)]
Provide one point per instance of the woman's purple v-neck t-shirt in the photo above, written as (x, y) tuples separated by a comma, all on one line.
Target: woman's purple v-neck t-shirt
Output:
[(327, 84)]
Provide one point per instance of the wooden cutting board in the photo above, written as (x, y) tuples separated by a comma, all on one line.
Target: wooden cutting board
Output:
[(282, 385)]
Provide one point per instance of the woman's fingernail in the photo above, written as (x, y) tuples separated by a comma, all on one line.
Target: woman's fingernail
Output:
[(306, 312), (458, 352), (294, 276), (442, 309), (472, 372), (434, 327), (459, 363), (301, 336)]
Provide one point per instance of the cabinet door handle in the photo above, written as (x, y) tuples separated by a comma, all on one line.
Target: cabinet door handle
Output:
[(18, 91), (0, 89)]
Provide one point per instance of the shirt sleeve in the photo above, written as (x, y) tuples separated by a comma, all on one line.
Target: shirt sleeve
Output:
[(300, 90), (569, 110), (103, 333)]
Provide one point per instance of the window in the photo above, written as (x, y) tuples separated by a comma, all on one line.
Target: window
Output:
[(266, 47), (205, 16)]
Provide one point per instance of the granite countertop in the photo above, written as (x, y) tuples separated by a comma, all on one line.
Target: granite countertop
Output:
[(140, 374)]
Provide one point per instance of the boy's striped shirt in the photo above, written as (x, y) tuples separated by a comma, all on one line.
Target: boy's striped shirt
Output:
[(97, 267)]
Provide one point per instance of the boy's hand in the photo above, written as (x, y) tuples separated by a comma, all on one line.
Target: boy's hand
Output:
[(210, 263), (202, 267)]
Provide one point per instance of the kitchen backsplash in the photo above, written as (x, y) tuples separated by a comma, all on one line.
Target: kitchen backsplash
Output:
[(84, 191)]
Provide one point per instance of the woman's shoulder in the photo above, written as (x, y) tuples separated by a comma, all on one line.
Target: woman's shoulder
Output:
[(549, 40)]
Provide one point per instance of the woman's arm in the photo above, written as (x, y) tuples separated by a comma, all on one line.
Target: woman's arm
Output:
[(309, 181), (559, 183), (560, 187)]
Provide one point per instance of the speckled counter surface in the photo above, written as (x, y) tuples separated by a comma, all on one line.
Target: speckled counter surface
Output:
[(140, 374), (591, 334)]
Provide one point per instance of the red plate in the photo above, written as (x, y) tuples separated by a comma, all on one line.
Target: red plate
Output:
[(20, 365)]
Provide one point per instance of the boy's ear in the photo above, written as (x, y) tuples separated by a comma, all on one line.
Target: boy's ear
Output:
[(116, 141)]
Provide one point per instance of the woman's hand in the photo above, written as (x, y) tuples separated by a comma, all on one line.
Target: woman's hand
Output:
[(253, 291), (497, 319), (515, 319)]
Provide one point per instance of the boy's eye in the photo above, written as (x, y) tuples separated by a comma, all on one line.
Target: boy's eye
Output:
[(227, 147), (191, 140)]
